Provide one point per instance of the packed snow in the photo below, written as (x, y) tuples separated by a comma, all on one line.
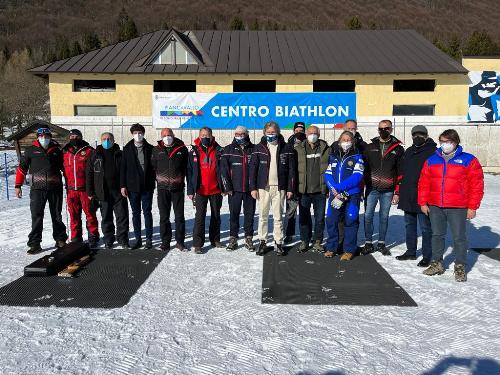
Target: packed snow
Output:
[(202, 314)]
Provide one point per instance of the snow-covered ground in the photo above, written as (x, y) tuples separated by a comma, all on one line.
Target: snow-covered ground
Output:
[(201, 314)]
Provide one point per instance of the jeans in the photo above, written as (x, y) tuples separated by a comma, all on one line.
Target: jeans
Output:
[(349, 214), (412, 234), (372, 198), (456, 218), (235, 201), (146, 200), (201, 202), (290, 224), (318, 201), (168, 200)]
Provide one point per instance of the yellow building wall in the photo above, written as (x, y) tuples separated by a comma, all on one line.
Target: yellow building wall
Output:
[(479, 64), (375, 96)]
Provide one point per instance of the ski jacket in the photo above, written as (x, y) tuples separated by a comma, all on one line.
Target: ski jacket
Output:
[(75, 165), (203, 173), (234, 167), (170, 165), (345, 171), (382, 171)]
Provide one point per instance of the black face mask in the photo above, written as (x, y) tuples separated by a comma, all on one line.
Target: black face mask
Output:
[(75, 142), (206, 141), (384, 134), (418, 141), (299, 137)]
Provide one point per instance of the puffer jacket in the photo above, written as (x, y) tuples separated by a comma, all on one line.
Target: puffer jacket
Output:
[(345, 171), (458, 183), (44, 165), (75, 165)]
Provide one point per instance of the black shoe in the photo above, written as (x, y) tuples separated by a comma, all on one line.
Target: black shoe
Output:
[(60, 244), (288, 240), (217, 244), (198, 250), (180, 246), (148, 245), (165, 247), (34, 249), (137, 245), (303, 247), (367, 249), (249, 243), (93, 242), (233, 244), (406, 256), (108, 246), (124, 245), (424, 262), (384, 250), (279, 249), (262, 248)]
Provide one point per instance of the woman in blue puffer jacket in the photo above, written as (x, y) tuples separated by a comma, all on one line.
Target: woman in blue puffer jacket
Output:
[(343, 177)]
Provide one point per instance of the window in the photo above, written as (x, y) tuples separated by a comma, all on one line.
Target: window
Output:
[(412, 85), (175, 53), (334, 85), (254, 86), (95, 110), (413, 110), (94, 85), (174, 86)]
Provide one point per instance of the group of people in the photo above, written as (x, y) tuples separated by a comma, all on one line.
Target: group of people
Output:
[(435, 187)]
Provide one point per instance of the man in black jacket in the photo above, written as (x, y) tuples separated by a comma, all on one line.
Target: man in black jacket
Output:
[(411, 166), (272, 179), (103, 184), (137, 181), (234, 172), (169, 161), (204, 185), (382, 171), (44, 161)]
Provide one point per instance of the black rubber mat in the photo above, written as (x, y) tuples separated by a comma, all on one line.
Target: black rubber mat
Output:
[(109, 281), (491, 253), (312, 279)]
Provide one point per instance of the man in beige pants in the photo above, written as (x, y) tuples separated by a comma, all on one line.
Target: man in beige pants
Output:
[(271, 179)]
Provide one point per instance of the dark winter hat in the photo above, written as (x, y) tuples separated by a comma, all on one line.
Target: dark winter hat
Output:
[(419, 129), (299, 124), (40, 131), (75, 132), (137, 128)]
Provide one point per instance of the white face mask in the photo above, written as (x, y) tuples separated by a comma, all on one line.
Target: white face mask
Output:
[(447, 147), (312, 138), (44, 142), (168, 140), (346, 145), (138, 137)]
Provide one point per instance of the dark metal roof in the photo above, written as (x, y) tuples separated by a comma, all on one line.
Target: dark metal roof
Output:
[(33, 126), (334, 51)]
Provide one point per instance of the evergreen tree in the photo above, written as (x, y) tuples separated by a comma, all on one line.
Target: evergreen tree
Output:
[(126, 27), (255, 25), (480, 43), (236, 23), (76, 49), (90, 42), (63, 51), (354, 23)]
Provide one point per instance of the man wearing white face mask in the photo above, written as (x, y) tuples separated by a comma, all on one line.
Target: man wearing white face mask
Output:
[(312, 161), (169, 160), (137, 181), (44, 162)]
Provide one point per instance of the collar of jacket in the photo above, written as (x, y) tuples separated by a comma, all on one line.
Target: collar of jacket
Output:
[(245, 146), (52, 145), (69, 147), (390, 142), (352, 151), (322, 144), (100, 150)]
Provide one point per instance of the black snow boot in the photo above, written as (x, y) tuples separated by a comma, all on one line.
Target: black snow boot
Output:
[(249, 243), (279, 249), (233, 244), (367, 249), (34, 249), (384, 250), (262, 248)]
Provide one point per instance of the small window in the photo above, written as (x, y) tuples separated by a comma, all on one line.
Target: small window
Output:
[(254, 86), (412, 85), (334, 85), (175, 53), (413, 110), (185, 85), (94, 85), (95, 110)]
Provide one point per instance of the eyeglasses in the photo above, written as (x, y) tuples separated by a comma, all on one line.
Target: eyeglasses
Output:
[(387, 128)]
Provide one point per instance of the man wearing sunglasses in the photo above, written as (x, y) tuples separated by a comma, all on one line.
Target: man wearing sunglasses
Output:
[(382, 170)]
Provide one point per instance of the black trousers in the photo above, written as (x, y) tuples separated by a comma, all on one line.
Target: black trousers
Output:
[(290, 226), (166, 200), (38, 200), (235, 202), (201, 202), (117, 204)]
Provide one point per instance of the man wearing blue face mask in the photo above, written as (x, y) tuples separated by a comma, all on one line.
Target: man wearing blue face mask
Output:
[(234, 174), (103, 182), (44, 162)]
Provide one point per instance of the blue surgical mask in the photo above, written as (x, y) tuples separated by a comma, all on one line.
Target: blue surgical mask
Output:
[(44, 142), (271, 138), (206, 141), (107, 144)]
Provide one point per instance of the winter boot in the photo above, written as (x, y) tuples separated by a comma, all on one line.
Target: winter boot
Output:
[(367, 249), (217, 244), (384, 250), (436, 268), (406, 256), (198, 250), (148, 245), (303, 247), (60, 244), (317, 246), (165, 247), (329, 254), (347, 256), (460, 275), (424, 263), (249, 244), (232, 245), (34, 249), (279, 249), (93, 242), (180, 246), (124, 245), (137, 245), (262, 248)]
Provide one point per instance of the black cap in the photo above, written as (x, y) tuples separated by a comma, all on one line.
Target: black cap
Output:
[(76, 132), (419, 129), (299, 124)]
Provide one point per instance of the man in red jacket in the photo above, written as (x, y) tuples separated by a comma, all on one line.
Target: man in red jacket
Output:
[(76, 153), (450, 190)]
